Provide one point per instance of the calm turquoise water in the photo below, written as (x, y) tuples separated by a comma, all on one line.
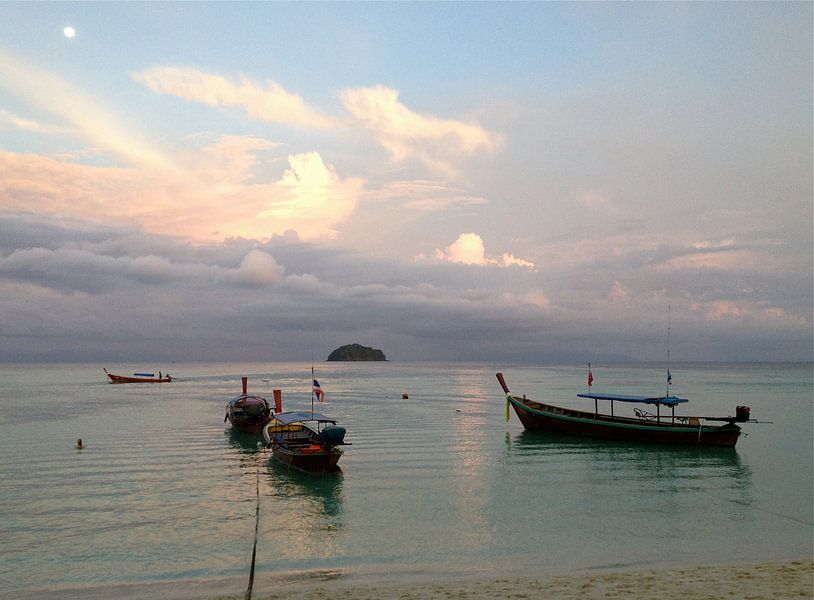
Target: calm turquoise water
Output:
[(161, 502)]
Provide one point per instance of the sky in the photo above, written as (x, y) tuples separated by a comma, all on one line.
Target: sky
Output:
[(495, 182)]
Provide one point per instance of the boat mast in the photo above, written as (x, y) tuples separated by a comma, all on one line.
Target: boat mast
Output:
[(669, 375), (312, 389)]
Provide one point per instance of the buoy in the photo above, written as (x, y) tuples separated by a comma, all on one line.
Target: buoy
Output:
[(79, 444)]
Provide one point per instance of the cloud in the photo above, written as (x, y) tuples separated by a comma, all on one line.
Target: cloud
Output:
[(469, 249), (94, 121), (593, 199), (24, 124), (310, 198), (217, 197), (268, 102), (258, 269), (438, 143), (426, 196), (113, 292), (509, 260), (90, 272)]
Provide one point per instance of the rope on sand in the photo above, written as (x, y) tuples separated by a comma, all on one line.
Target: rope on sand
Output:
[(256, 527)]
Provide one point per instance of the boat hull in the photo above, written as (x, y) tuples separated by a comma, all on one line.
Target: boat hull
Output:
[(248, 414), (249, 425), (536, 416), (124, 379), (322, 461)]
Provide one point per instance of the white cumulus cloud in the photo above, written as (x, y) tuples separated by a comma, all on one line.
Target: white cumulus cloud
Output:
[(469, 249)]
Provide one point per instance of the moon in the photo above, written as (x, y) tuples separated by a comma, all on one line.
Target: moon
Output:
[(69, 32)]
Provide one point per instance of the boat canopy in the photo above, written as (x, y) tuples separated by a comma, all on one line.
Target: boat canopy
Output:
[(296, 416), (246, 397), (667, 400)]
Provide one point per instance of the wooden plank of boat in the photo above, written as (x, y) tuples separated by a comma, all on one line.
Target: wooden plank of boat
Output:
[(537, 416), (139, 378)]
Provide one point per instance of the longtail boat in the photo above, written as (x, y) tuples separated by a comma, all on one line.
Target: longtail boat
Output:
[(139, 378), (308, 441), (248, 413), (645, 427)]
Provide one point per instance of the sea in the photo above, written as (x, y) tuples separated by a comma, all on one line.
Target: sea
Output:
[(166, 500)]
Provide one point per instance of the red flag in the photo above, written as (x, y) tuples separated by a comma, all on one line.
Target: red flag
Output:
[(318, 391), (590, 377)]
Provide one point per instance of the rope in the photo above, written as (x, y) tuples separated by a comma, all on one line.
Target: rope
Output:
[(256, 527)]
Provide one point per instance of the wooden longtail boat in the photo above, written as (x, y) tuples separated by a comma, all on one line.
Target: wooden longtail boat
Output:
[(248, 413), (307, 441), (646, 427), (139, 378)]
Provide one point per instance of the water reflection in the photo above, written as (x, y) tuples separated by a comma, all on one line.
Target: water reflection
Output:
[(302, 516), (245, 443), (317, 496), (661, 467)]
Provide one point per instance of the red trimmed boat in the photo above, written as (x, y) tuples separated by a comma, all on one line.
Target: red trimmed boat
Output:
[(248, 413), (307, 441), (139, 378), (645, 427)]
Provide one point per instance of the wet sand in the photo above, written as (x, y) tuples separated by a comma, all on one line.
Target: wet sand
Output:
[(770, 581)]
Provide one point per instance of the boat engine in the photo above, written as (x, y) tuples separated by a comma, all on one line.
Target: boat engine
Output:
[(741, 414), (333, 435)]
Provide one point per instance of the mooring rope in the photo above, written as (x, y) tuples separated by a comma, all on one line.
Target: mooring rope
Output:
[(256, 528)]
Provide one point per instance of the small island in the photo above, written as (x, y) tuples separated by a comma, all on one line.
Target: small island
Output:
[(356, 352)]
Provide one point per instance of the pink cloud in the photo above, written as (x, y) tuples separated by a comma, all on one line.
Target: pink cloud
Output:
[(268, 102), (438, 143), (215, 198)]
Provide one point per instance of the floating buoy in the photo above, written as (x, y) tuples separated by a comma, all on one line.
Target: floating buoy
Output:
[(79, 444)]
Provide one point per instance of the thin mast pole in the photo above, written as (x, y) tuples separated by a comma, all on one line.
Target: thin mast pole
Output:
[(669, 376), (312, 390)]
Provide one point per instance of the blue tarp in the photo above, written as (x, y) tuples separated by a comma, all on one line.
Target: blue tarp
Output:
[(302, 415), (668, 400), (144, 374)]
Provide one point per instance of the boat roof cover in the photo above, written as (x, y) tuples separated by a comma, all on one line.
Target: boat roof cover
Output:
[(296, 416), (668, 400), (246, 397)]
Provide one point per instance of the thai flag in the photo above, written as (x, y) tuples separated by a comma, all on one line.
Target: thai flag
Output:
[(318, 391)]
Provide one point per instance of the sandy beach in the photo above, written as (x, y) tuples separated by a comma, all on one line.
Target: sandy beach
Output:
[(770, 581)]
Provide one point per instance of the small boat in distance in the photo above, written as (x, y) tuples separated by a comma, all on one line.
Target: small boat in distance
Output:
[(139, 378), (308, 441), (248, 413), (645, 427)]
